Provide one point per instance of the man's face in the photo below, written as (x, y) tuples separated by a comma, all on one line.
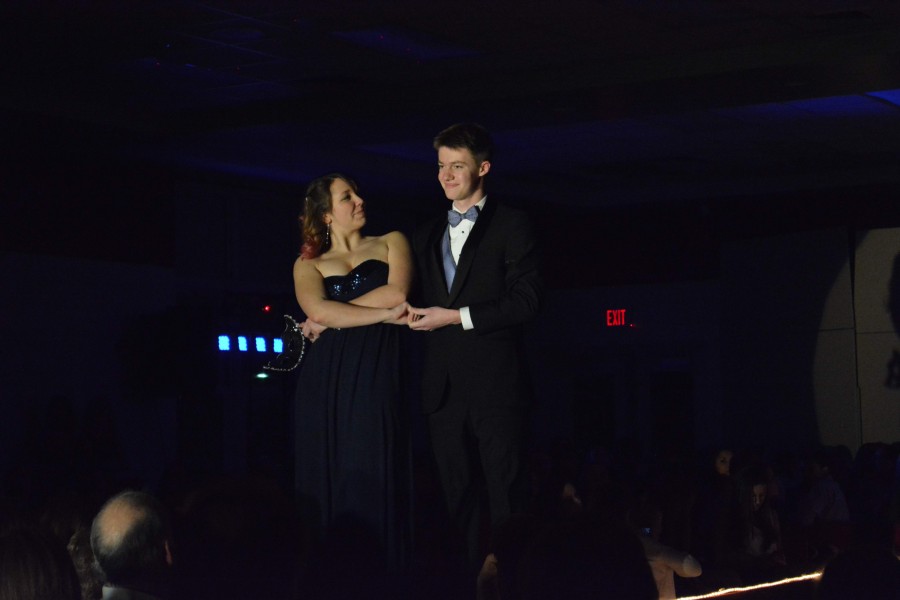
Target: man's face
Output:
[(460, 176)]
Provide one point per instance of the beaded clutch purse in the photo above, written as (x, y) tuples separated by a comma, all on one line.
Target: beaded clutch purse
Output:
[(294, 347)]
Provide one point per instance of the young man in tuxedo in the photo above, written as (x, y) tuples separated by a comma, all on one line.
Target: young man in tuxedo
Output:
[(478, 274)]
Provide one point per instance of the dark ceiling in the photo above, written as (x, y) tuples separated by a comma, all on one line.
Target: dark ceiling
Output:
[(594, 105)]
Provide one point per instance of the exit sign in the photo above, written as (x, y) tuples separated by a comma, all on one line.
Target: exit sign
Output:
[(615, 317)]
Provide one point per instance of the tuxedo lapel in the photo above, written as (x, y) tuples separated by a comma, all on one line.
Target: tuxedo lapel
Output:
[(435, 263)]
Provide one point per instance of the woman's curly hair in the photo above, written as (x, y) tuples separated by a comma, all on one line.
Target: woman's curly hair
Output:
[(316, 204)]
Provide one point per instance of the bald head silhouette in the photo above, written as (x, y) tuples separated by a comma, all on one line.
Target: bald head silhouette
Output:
[(130, 537)]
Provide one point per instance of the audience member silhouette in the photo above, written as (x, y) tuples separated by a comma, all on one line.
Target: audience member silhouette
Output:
[(132, 540), (350, 563), (714, 511), (759, 552), (823, 499), (586, 558), (239, 537), (499, 576), (82, 556), (873, 486), (34, 566), (673, 489), (866, 571), (823, 511), (788, 471), (67, 516)]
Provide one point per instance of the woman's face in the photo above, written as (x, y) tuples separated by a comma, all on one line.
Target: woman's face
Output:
[(757, 496), (723, 462), (347, 208)]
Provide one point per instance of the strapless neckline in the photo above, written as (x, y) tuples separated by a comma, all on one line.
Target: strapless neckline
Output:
[(363, 278), (357, 267)]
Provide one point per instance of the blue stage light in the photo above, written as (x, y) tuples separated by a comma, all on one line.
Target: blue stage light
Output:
[(892, 96), (260, 344)]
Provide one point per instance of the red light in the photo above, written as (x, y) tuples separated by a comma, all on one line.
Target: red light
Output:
[(616, 318), (267, 308)]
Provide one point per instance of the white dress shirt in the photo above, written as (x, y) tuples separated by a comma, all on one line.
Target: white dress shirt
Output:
[(458, 236)]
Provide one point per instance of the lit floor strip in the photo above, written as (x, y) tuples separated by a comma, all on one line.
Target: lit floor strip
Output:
[(725, 592)]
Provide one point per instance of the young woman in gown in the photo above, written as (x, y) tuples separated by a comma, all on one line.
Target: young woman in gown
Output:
[(352, 434)]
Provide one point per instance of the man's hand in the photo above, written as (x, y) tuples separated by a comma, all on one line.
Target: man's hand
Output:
[(311, 330), (429, 319)]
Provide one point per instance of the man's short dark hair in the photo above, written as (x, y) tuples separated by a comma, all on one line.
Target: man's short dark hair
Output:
[(471, 136), (131, 550)]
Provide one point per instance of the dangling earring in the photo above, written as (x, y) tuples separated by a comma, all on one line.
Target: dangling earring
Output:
[(327, 234)]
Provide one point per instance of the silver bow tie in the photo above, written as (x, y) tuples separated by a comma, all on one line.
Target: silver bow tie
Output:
[(454, 217)]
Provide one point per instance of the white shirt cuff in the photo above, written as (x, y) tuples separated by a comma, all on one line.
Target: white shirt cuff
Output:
[(465, 318)]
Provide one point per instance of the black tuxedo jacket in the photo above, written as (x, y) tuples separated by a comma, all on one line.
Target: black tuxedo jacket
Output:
[(497, 278)]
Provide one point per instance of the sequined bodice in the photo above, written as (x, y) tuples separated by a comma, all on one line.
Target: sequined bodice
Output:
[(364, 278)]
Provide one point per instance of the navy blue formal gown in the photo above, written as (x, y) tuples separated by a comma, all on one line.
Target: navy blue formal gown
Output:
[(352, 430)]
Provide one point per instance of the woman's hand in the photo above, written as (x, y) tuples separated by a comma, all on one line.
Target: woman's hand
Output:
[(398, 314), (311, 330)]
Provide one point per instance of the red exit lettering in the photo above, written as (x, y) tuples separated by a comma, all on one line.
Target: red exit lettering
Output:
[(615, 318)]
